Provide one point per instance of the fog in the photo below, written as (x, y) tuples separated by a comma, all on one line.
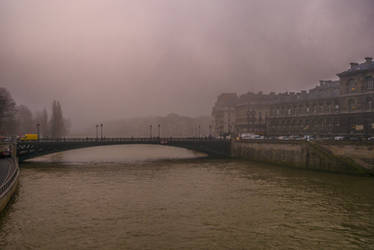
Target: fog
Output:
[(106, 60)]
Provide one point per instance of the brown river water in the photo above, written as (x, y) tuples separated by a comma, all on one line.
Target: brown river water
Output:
[(158, 197)]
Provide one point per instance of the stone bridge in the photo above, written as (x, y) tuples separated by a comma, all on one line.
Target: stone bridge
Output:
[(31, 149)]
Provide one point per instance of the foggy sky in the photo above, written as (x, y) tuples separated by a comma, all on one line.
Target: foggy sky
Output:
[(109, 59)]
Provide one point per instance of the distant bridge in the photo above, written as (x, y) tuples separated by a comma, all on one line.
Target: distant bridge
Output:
[(34, 148)]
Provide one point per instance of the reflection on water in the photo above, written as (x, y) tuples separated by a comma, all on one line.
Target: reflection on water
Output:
[(154, 197), (119, 154)]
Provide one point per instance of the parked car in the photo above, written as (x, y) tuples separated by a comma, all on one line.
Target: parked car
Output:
[(284, 138), (251, 136), (308, 137), (4, 151)]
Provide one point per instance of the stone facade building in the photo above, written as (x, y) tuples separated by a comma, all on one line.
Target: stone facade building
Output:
[(251, 112), (344, 107), (224, 114)]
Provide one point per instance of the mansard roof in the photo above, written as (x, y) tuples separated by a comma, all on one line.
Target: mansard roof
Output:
[(226, 100), (368, 65)]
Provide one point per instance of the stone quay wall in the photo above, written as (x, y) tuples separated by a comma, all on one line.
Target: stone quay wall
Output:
[(325, 156)]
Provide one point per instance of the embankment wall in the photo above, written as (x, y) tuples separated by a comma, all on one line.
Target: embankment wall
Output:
[(309, 155)]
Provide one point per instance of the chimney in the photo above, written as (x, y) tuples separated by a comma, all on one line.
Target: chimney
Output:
[(369, 59), (353, 64)]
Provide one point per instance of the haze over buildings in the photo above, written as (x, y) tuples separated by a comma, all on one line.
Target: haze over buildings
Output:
[(109, 59)]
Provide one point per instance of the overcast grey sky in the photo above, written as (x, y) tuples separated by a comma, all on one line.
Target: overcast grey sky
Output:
[(108, 59)]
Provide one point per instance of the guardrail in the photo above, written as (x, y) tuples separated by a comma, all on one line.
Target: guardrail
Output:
[(8, 183)]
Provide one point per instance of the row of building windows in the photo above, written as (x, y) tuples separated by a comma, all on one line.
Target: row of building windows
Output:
[(352, 85), (327, 108)]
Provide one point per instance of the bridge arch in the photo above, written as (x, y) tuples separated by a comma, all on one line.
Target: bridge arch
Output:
[(31, 149)]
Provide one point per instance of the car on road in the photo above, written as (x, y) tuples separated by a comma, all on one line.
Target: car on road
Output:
[(247, 136), (4, 151)]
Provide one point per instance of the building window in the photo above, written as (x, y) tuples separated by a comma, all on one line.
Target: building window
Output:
[(327, 105), (351, 105), (369, 83), (337, 107), (351, 86), (369, 103)]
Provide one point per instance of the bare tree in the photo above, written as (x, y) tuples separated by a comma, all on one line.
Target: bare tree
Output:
[(57, 124), (7, 113), (41, 118), (24, 120)]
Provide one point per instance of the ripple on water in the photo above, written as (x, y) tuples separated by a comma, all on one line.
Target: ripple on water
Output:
[(112, 198)]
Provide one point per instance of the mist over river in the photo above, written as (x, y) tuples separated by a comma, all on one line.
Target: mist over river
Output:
[(159, 197)]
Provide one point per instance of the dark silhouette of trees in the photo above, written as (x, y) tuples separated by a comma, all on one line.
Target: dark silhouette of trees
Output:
[(19, 120), (57, 123), (44, 128), (7, 113), (24, 120), (42, 120)]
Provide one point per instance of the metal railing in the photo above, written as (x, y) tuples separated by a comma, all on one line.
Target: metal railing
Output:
[(12, 169), (4, 188), (123, 139)]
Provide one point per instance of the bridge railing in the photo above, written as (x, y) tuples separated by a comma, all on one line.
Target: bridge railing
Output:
[(122, 139)]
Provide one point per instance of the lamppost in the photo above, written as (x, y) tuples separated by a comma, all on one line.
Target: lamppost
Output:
[(101, 127), (150, 131), (38, 130), (210, 130), (199, 131), (159, 130), (248, 120), (97, 131)]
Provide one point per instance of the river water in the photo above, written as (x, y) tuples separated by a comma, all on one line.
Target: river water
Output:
[(157, 197)]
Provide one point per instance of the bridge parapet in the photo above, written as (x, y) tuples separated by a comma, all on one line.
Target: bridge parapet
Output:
[(31, 149)]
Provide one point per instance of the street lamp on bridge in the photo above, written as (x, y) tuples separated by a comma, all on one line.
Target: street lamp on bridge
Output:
[(38, 130), (101, 127), (159, 130), (97, 131)]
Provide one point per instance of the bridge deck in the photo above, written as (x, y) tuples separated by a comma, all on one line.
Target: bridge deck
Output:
[(30, 149)]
